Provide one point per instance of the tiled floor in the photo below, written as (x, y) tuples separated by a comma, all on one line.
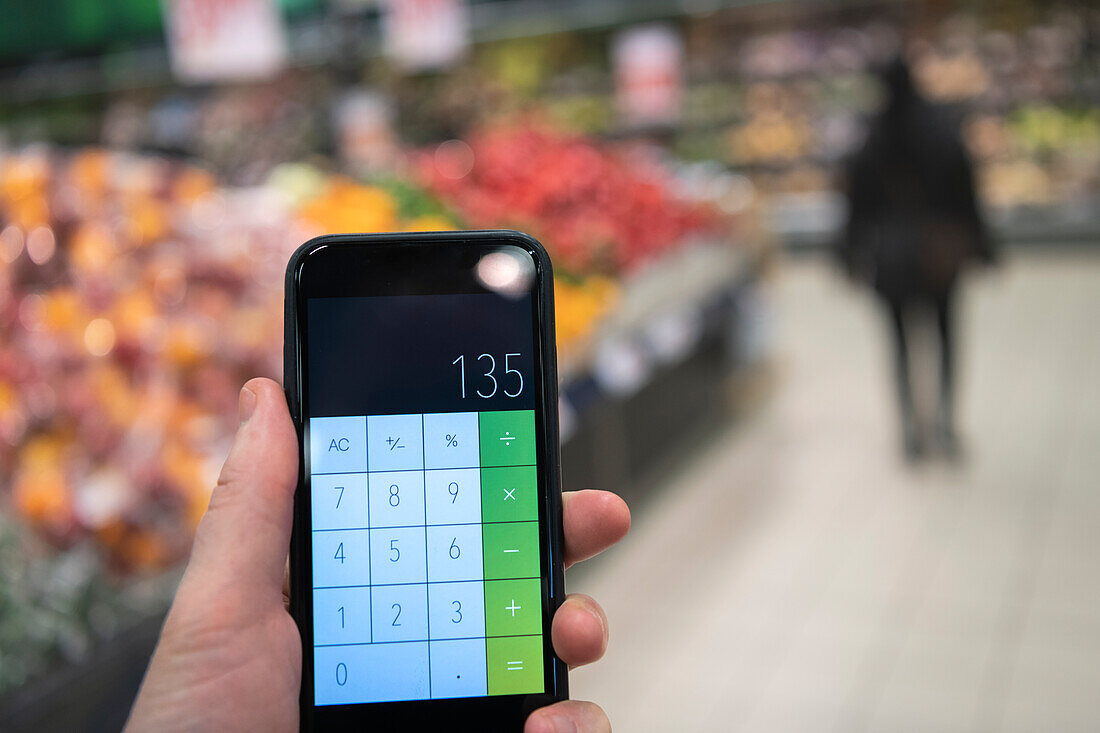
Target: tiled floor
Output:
[(796, 576)]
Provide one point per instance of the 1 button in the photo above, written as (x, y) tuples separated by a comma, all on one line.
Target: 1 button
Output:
[(341, 616)]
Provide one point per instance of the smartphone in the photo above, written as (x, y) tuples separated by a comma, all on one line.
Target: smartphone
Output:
[(426, 557)]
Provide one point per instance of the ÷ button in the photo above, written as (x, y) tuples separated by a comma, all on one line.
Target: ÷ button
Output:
[(508, 437)]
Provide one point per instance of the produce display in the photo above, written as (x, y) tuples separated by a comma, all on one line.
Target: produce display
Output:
[(136, 295), (598, 210), (791, 106), (777, 98), (782, 99)]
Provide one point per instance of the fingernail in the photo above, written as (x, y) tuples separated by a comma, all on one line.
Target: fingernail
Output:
[(562, 724), (246, 404), (594, 611)]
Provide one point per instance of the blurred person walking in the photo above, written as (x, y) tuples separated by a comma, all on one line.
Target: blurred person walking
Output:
[(913, 226)]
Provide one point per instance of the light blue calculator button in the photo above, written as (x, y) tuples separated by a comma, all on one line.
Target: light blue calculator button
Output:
[(458, 668), (370, 673), (337, 444), (395, 442), (451, 440)]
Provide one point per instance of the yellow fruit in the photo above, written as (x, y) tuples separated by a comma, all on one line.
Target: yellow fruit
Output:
[(346, 206), (92, 248), (192, 184), (430, 223), (63, 312), (41, 490)]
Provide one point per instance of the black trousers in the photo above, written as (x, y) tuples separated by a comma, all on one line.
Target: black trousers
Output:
[(902, 313)]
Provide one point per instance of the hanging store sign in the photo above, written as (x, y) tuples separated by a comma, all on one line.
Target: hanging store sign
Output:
[(224, 40), (648, 63), (425, 34)]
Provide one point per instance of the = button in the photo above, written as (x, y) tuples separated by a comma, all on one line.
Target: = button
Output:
[(514, 665)]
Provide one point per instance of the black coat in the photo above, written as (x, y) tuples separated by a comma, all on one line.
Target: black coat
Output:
[(913, 219)]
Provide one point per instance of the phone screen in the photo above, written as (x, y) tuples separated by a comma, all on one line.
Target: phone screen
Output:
[(421, 427)]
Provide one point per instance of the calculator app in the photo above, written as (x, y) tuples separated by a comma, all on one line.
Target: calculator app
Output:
[(423, 475)]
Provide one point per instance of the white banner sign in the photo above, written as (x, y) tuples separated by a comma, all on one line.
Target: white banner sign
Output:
[(648, 64), (224, 40), (425, 34)]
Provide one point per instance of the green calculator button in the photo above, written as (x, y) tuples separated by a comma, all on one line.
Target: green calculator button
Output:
[(513, 607), (507, 438), (511, 550), (514, 665), (509, 494)]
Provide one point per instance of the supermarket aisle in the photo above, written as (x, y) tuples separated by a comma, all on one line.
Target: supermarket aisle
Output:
[(795, 577)]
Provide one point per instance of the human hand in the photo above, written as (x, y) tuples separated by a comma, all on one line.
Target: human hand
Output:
[(229, 656)]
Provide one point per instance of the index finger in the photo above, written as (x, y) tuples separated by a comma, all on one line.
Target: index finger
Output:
[(594, 520)]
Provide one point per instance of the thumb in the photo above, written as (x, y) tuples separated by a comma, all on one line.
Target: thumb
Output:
[(244, 536), (568, 716)]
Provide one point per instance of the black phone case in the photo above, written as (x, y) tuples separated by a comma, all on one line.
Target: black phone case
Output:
[(299, 543)]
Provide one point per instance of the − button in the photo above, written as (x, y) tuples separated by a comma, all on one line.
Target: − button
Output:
[(511, 550)]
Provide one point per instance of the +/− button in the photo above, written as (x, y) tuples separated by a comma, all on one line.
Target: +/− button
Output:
[(395, 442)]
